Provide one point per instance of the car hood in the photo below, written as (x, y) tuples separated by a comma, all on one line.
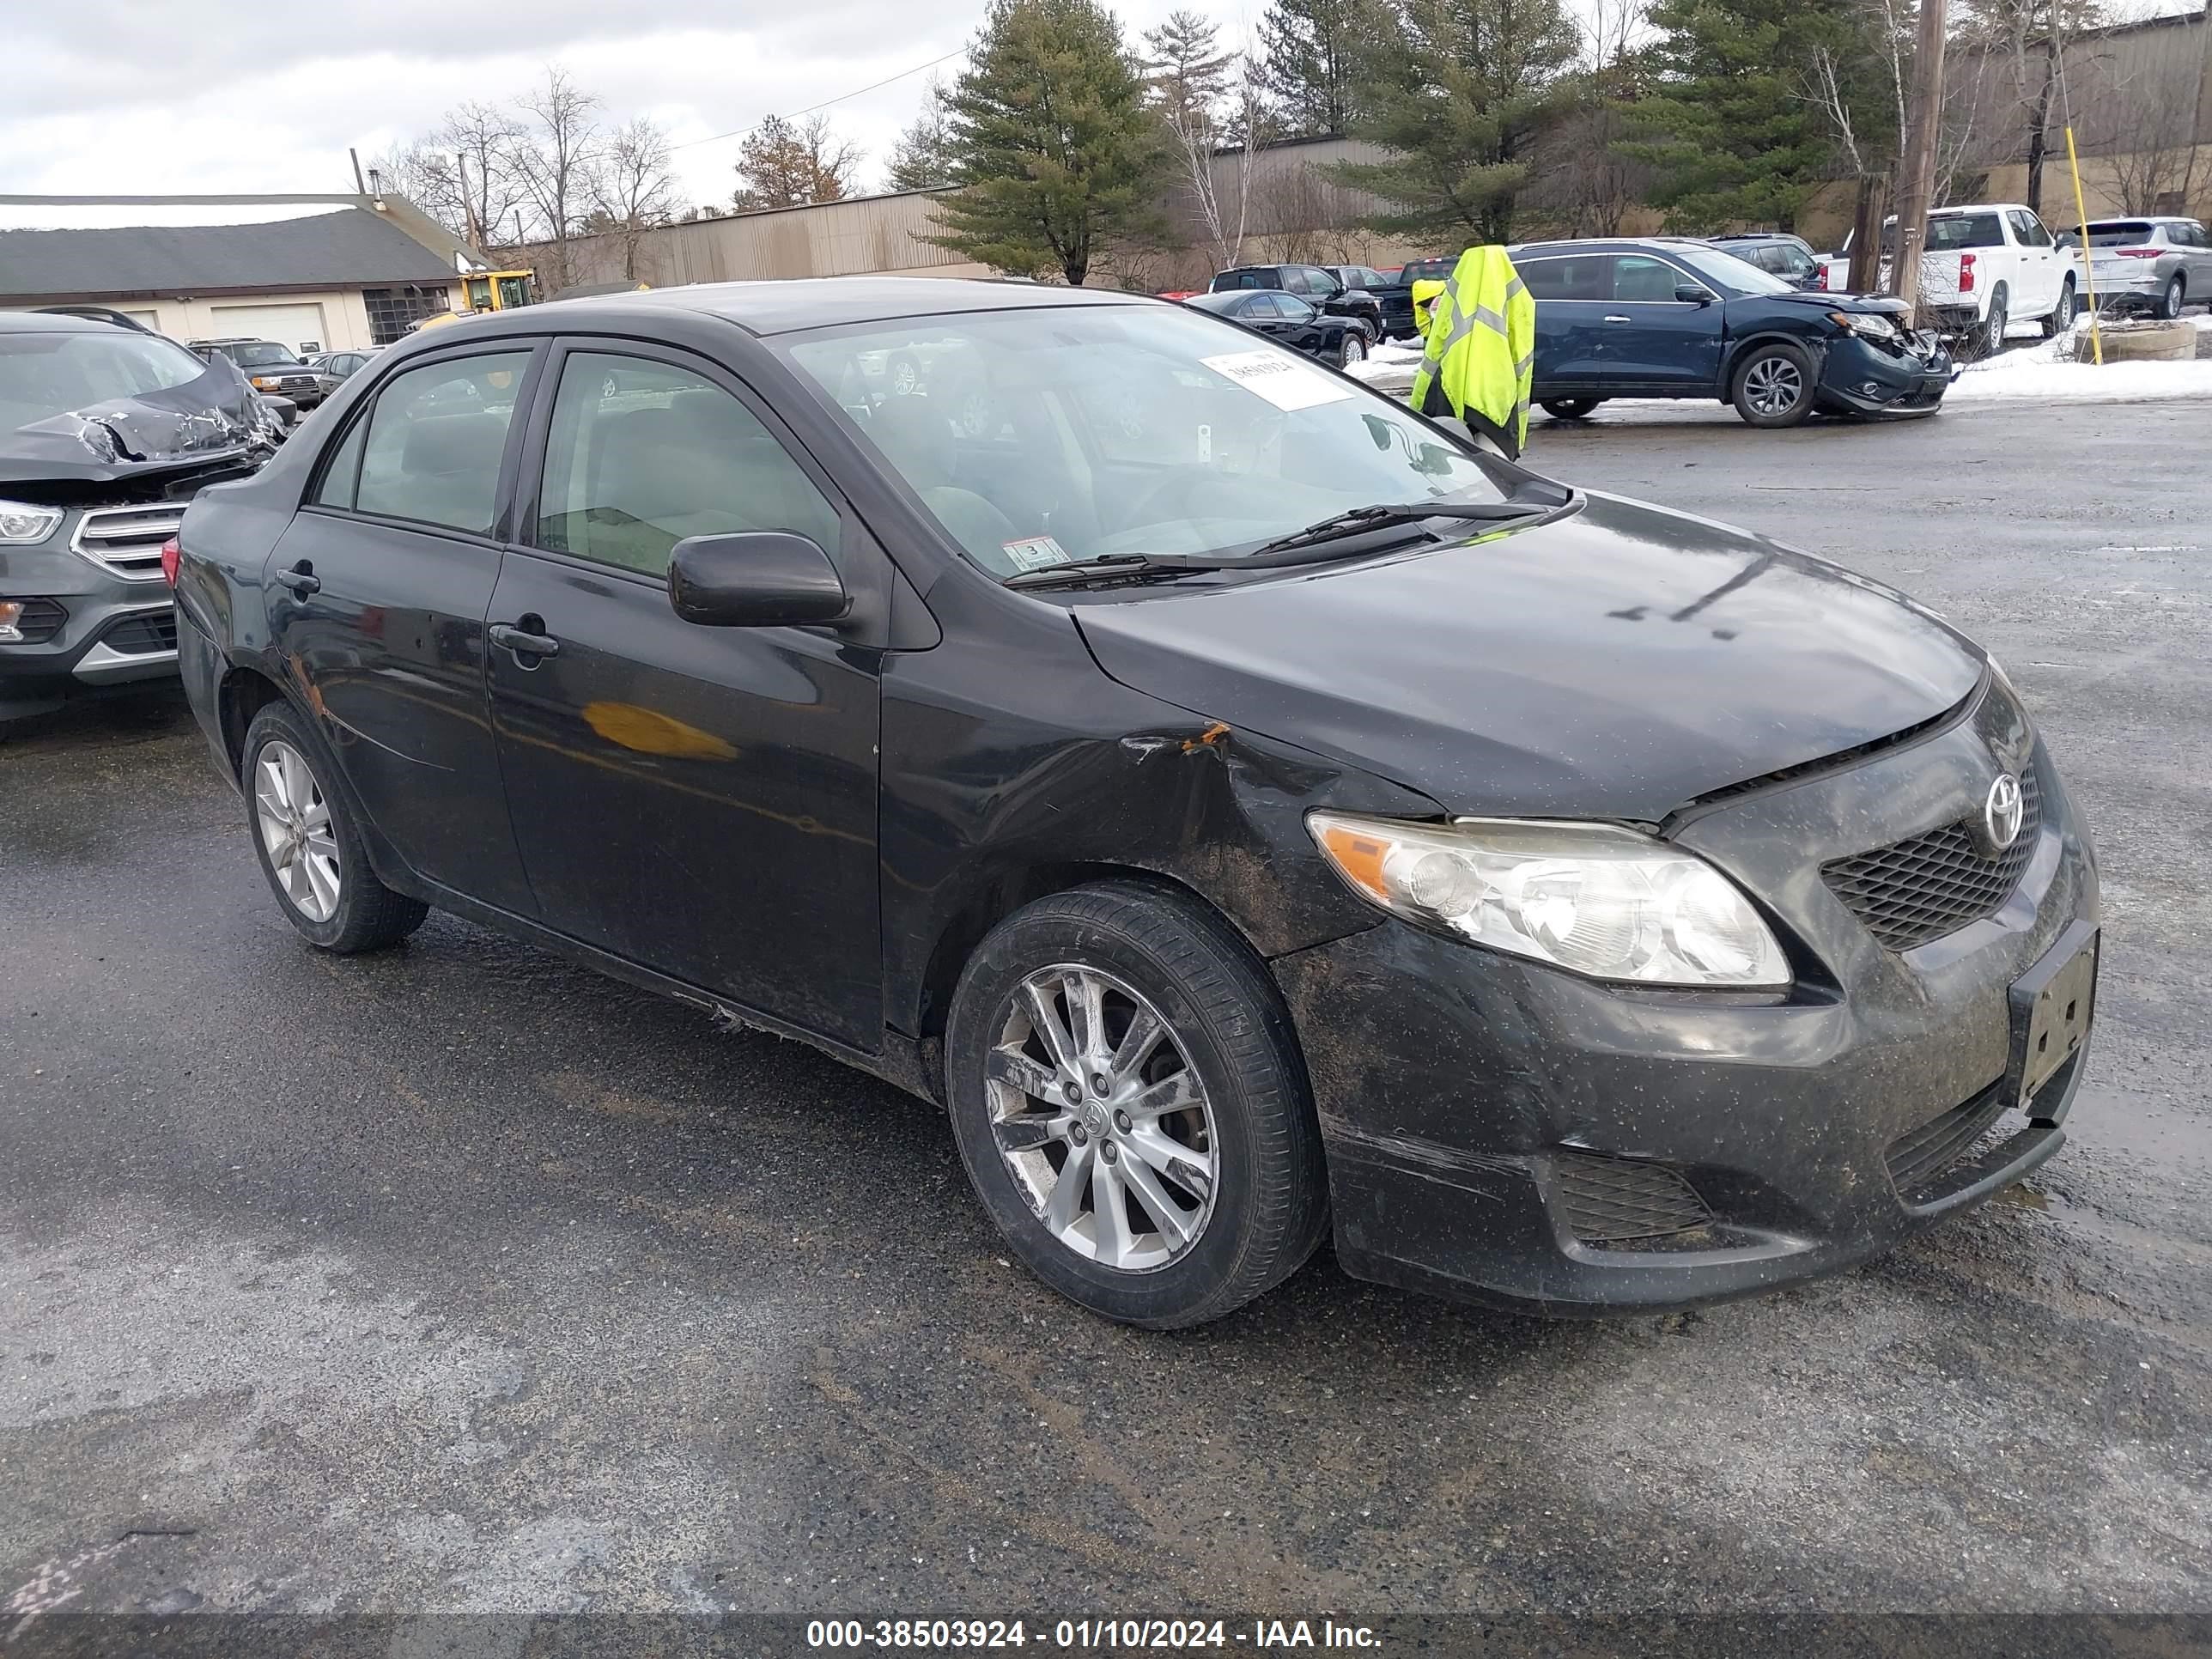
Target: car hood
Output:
[(1614, 664), (208, 419), (1821, 299)]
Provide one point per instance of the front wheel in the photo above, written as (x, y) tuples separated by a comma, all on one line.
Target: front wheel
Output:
[(1352, 348), (2174, 297), (2062, 314), (1127, 1096), (1774, 386), (1570, 408), (308, 846)]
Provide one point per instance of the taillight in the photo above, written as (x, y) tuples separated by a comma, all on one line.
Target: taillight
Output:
[(1966, 273), (1821, 279), (170, 553), (2136, 252)]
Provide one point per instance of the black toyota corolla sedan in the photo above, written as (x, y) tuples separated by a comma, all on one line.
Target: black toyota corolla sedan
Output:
[(1250, 812)]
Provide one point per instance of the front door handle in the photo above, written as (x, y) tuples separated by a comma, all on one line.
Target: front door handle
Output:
[(1616, 319), (301, 579), (523, 639)]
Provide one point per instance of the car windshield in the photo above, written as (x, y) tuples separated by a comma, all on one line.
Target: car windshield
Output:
[(1731, 272), (259, 355), (1046, 435), (1425, 270), (45, 374)]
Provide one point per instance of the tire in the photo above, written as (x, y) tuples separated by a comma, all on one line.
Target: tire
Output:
[(1773, 386), (2062, 314), (332, 898), (1352, 347), (1990, 337), (2172, 297), (905, 374), (1255, 1210), (1570, 408)]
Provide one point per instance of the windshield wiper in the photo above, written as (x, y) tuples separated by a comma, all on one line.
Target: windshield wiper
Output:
[(1361, 520), (1116, 567)]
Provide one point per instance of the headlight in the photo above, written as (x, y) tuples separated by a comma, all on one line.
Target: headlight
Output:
[(22, 522), (1588, 897), (1867, 325), (266, 382)]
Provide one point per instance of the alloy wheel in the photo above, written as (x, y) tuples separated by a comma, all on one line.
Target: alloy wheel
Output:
[(1101, 1120), (1355, 347), (294, 822), (1773, 385)]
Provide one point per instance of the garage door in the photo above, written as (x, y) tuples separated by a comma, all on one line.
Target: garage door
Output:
[(149, 319), (294, 326)]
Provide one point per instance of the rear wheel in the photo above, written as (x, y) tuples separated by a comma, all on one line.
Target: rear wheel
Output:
[(2173, 297), (1570, 408), (1774, 386), (1128, 1100), (2062, 314), (1991, 340), (310, 850)]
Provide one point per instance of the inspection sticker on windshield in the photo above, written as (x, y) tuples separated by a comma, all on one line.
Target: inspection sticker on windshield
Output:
[(1283, 381), (1034, 552)]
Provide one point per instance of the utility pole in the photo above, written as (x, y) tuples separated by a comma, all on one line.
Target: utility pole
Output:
[(1916, 182), (468, 202)]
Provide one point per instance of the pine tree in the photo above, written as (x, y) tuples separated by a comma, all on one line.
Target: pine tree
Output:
[(1310, 50), (1188, 77), (922, 158), (1458, 91), (1054, 150), (1729, 129)]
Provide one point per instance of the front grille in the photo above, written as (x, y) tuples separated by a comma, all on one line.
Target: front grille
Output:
[(126, 541), (41, 619), (1920, 1156), (142, 636), (1912, 891), (1614, 1201)]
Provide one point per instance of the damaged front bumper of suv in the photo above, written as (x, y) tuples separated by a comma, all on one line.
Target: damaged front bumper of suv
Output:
[(1502, 1131)]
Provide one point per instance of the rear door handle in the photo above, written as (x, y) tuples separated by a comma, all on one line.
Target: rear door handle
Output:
[(301, 579), (1616, 319), (523, 641)]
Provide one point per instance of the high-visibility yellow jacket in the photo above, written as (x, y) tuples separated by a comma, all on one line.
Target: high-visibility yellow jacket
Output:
[(1424, 291), (1481, 350)]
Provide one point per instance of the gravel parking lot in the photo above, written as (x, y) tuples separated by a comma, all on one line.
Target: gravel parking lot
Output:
[(457, 1278)]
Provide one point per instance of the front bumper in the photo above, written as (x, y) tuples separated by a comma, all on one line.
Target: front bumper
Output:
[(1485, 1115), (1865, 380), (113, 630)]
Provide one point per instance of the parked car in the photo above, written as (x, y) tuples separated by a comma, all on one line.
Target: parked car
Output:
[(106, 430), (1668, 318), (2157, 265), (1982, 268), (1295, 322), (1365, 279), (339, 364), (1319, 287), (1246, 809), (1397, 299), (272, 367), (1778, 254)]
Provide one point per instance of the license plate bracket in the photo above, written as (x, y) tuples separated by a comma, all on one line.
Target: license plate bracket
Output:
[(2053, 1005)]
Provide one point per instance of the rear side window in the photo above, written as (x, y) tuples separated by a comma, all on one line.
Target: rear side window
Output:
[(430, 448), (642, 455), (1585, 276)]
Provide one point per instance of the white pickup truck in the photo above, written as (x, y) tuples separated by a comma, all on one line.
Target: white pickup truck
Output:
[(1986, 266)]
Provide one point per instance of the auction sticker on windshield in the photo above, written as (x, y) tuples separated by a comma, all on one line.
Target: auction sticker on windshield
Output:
[(1283, 381), (1036, 552)]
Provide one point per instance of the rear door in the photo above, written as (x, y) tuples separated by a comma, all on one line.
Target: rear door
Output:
[(379, 590), (1571, 292), (1655, 342), (701, 800)]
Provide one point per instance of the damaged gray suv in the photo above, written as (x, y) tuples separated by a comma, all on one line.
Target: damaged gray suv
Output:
[(106, 432)]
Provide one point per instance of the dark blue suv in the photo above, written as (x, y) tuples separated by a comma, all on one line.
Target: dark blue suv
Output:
[(1659, 317)]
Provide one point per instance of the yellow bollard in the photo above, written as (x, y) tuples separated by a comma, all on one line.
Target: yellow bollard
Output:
[(2088, 274)]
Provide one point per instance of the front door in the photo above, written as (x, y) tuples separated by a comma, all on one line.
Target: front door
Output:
[(379, 592), (1655, 342), (701, 800)]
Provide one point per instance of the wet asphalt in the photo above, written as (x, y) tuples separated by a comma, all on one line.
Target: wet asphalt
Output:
[(457, 1277)]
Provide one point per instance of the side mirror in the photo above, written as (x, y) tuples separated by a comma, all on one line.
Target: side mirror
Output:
[(762, 579), (1691, 294)]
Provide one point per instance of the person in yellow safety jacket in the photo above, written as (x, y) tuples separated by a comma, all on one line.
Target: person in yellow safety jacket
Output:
[(1481, 350), (1424, 291)]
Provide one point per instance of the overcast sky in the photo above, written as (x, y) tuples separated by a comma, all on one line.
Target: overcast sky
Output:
[(162, 96)]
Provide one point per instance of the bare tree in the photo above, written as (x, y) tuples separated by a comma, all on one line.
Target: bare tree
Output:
[(1593, 184), (480, 138), (554, 151), (632, 189), (1218, 126), (2155, 164)]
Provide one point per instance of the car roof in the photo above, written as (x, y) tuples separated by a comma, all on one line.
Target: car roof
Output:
[(784, 306), (47, 322)]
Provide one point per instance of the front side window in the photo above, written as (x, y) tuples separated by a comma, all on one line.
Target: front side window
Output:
[(1068, 433), (1294, 308), (434, 442), (642, 455), (1635, 277)]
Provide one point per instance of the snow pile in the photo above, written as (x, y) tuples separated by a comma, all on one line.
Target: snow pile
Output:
[(1388, 368), (2048, 373)]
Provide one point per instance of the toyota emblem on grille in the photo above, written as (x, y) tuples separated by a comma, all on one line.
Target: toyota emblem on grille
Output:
[(2002, 811)]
